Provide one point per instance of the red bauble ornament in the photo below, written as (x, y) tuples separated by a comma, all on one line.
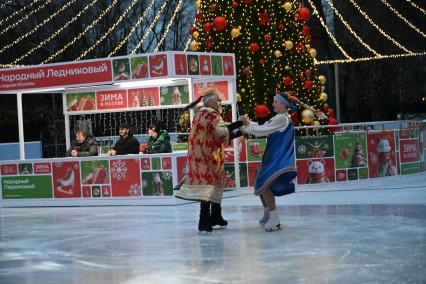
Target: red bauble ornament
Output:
[(325, 107), (214, 7), (308, 73), (199, 16), (220, 23), (280, 26), (301, 76), (308, 37), (246, 70), (330, 112), (267, 37), (261, 111), (207, 27), (308, 84), (264, 18), (235, 4), (298, 47), (287, 80), (254, 47), (191, 30), (304, 14), (261, 61), (305, 30), (247, 2)]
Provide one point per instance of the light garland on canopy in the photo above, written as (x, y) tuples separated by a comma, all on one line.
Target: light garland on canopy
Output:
[(403, 18), (378, 28), (135, 26), (25, 17), (417, 7), (154, 21), (177, 8), (104, 12), (109, 30), (361, 59), (345, 23), (16, 12), (328, 31), (19, 39), (56, 33)]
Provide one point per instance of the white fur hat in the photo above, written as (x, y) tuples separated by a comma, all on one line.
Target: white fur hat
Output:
[(383, 146)]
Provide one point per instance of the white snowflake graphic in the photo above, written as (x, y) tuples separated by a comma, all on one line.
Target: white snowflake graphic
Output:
[(162, 99), (144, 183), (167, 175), (373, 158), (118, 170), (135, 190), (301, 149), (58, 164), (163, 90), (185, 88)]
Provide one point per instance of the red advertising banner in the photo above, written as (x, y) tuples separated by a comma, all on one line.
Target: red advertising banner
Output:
[(66, 179), (56, 75), (381, 154), (315, 170), (42, 168), (205, 65), (228, 65), (9, 169), (143, 97), (180, 64), (112, 99), (409, 150), (221, 87), (125, 177), (158, 65)]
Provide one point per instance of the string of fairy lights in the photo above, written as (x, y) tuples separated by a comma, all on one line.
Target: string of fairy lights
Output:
[(417, 7), (147, 32), (56, 33), (19, 39), (346, 24), (188, 42), (17, 11), (133, 29), (109, 31), (357, 7), (403, 18), (24, 18), (101, 15), (331, 36), (177, 8)]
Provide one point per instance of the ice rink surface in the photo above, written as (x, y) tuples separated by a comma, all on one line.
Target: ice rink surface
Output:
[(369, 231)]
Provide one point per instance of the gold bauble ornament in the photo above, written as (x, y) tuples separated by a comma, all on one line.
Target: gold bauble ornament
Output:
[(235, 32), (308, 116), (287, 67), (313, 52), (243, 90), (195, 34), (288, 44), (322, 79), (193, 45), (238, 96), (316, 122), (277, 53), (198, 4), (323, 97), (322, 88), (287, 6), (308, 47)]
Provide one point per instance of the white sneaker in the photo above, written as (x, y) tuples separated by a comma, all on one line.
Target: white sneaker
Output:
[(265, 217), (273, 222)]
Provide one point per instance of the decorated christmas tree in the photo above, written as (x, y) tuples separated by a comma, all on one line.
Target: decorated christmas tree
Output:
[(143, 100), (358, 159), (271, 42)]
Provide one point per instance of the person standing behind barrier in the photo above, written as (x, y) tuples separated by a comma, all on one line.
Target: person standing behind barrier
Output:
[(276, 176)]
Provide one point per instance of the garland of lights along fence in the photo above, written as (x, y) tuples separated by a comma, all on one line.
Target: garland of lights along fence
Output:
[(271, 42)]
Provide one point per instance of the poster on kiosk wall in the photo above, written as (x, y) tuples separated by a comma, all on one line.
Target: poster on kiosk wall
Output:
[(381, 154)]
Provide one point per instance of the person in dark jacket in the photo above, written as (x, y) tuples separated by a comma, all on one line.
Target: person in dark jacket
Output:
[(84, 145), (127, 144), (159, 140)]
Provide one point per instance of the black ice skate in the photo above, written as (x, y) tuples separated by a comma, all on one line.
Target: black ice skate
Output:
[(216, 216)]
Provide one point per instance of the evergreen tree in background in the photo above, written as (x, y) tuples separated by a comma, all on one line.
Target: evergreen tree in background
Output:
[(271, 42)]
